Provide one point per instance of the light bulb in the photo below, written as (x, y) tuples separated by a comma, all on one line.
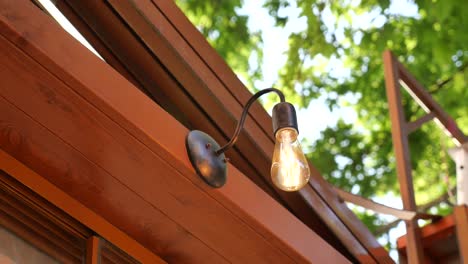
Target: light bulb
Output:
[(289, 168)]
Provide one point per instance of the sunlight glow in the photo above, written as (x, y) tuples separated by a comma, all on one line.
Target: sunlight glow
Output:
[(65, 24)]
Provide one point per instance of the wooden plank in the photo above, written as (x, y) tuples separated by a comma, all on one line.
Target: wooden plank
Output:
[(431, 232), (158, 82), (111, 82), (148, 32), (383, 209), (54, 111), (196, 65), (425, 100), (51, 105), (461, 219), (93, 254), (337, 209), (214, 61), (35, 149), (293, 199), (97, 130), (202, 48), (360, 253), (144, 70), (423, 97), (75, 209), (400, 144), (416, 124), (97, 43), (438, 241), (187, 83)]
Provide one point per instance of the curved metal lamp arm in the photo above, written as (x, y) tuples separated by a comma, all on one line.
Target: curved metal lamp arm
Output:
[(240, 124), (207, 157)]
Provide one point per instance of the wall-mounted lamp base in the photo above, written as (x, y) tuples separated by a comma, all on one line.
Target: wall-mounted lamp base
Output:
[(201, 149)]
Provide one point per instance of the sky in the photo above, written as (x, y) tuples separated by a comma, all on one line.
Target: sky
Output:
[(65, 24)]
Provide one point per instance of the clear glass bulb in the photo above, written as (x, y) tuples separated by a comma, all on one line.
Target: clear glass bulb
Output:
[(289, 168)]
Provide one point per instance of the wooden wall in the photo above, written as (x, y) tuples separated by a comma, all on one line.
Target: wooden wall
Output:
[(87, 130), (153, 44)]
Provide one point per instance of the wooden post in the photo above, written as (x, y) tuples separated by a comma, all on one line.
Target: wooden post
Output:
[(123, 132), (93, 255), (400, 144), (460, 156), (461, 219)]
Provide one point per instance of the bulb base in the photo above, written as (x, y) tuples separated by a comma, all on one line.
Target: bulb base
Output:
[(201, 149), (284, 115)]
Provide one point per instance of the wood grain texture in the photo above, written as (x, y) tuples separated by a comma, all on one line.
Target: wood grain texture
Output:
[(55, 196), (172, 82), (93, 253), (402, 154), (461, 219), (438, 240), (397, 77), (425, 100), (212, 97), (383, 209), (124, 157), (36, 146)]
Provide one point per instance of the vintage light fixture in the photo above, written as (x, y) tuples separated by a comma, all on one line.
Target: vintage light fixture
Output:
[(289, 169)]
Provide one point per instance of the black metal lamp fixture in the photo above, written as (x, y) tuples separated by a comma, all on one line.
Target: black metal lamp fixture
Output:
[(289, 169)]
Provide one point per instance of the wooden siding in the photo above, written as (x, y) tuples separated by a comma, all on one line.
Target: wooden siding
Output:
[(156, 42), (78, 123)]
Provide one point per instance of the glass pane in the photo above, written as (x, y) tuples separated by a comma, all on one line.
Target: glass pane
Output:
[(15, 250), (34, 231)]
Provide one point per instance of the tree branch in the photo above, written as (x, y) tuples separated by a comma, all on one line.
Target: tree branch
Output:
[(435, 88)]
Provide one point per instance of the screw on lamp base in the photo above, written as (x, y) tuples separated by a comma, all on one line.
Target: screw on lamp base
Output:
[(201, 149)]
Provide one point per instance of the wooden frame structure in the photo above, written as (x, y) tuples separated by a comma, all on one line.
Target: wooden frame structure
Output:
[(93, 133), (396, 76), (446, 240), (193, 79), (74, 210), (105, 148), (461, 220)]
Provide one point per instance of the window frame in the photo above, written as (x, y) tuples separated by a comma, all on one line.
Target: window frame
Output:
[(43, 199)]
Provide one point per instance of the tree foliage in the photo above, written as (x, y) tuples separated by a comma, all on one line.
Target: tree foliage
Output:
[(228, 33), (359, 156)]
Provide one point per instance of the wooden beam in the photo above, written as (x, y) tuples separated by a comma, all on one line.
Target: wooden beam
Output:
[(189, 79), (432, 237), (75, 209), (139, 69), (416, 124), (431, 232), (212, 97), (422, 96), (383, 209), (124, 157), (400, 144), (100, 47), (93, 255), (397, 73), (461, 219)]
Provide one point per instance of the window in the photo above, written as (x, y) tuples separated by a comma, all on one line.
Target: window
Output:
[(34, 231), (13, 249)]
